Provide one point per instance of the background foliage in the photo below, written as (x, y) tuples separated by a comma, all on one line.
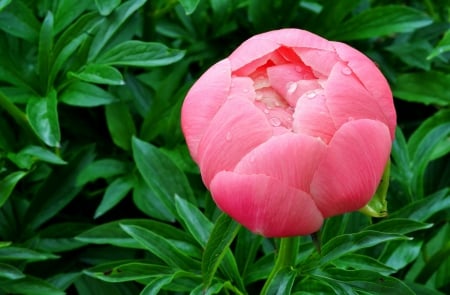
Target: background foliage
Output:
[(98, 194)]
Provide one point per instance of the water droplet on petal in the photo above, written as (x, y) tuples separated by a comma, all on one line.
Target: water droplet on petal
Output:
[(228, 136), (275, 121), (346, 71), (311, 95), (292, 86)]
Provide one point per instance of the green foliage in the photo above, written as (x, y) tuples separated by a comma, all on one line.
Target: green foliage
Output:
[(98, 194)]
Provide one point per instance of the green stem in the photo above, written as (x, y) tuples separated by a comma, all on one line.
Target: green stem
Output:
[(286, 257), (13, 111)]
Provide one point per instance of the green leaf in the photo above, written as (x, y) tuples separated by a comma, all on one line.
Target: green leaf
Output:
[(122, 271), (115, 192), (112, 24), (23, 254), (4, 3), (59, 237), (112, 233), (86, 95), (161, 247), (105, 7), (348, 243), (104, 168), (120, 124), (42, 154), (18, 20), (427, 88), (362, 262), (398, 226), (223, 233), (381, 21), (443, 46), (140, 54), (10, 272), (45, 51), (42, 114), (30, 286), (66, 13), (366, 281), (413, 53), (189, 5), (282, 282), (89, 286), (160, 173), (59, 189), (8, 183), (99, 74)]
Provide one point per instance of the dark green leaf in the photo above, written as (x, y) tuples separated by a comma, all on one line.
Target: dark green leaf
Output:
[(30, 286), (398, 226), (105, 7), (66, 13), (8, 183), (126, 271), (162, 248), (160, 173), (23, 254), (104, 168), (112, 233), (115, 192), (140, 54), (398, 254), (189, 5), (18, 20), (282, 282), (58, 189), (381, 21), (427, 87), (42, 114), (10, 272), (45, 51), (99, 74), (223, 233), (442, 47), (112, 24), (120, 124), (90, 286), (59, 237), (86, 95), (362, 262)]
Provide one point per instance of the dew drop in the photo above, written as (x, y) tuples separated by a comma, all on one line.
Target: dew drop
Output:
[(275, 121), (347, 71), (292, 86), (311, 94), (228, 136)]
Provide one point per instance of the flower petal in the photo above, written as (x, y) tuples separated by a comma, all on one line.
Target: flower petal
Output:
[(373, 80), (265, 205), (238, 127), (202, 103), (295, 38), (352, 168), (291, 158)]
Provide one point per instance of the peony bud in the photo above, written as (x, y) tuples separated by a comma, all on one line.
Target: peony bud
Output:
[(290, 129)]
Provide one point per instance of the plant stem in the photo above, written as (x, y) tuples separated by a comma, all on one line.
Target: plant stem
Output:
[(285, 258)]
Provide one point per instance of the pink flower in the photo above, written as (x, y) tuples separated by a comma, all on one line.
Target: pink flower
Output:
[(290, 129)]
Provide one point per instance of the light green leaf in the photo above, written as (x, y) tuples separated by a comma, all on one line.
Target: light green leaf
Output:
[(105, 7), (10, 272), (25, 25), (398, 226), (140, 54), (426, 87), (120, 124), (161, 247), (24, 254), (222, 235), (99, 74), (380, 21), (442, 47), (4, 3), (42, 114), (42, 154), (115, 192), (86, 95), (189, 5), (8, 183)]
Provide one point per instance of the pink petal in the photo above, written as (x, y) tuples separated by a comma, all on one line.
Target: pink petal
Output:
[(312, 117), (352, 168), (238, 128), (373, 80), (291, 158), (321, 61), (202, 103), (265, 205), (348, 99)]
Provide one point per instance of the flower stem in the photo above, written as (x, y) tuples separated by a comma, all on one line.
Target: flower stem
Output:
[(285, 258)]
